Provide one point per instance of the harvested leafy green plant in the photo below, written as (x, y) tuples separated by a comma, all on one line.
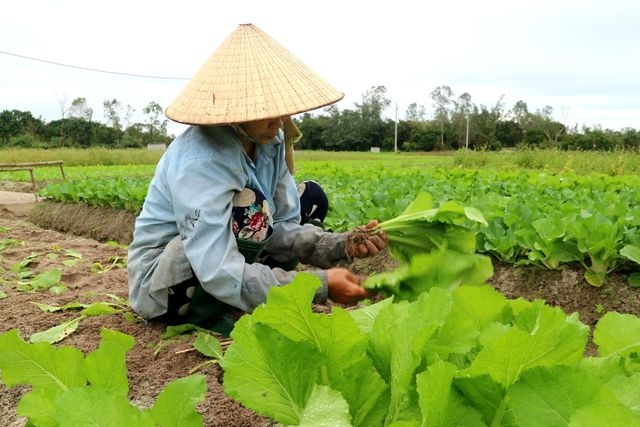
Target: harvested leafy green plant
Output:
[(421, 228)]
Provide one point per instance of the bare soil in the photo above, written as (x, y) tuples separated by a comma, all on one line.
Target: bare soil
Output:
[(46, 227)]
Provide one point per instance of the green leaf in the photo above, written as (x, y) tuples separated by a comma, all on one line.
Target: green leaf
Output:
[(71, 253), (634, 279), (46, 307), (98, 309), (365, 391), (23, 264), (106, 367), (440, 404), (444, 269), (631, 252), (617, 333), (45, 279), (39, 365), (336, 337), (475, 215), (627, 389), (58, 289), (541, 336), (325, 408), (288, 310), (176, 330), (208, 345), (70, 262), (176, 404), (52, 308), (366, 316), (397, 346), (594, 278), (422, 202), (56, 333), (268, 372), (604, 415), (9, 243), (89, 406), (39, 405), (485, 395), (475, 309), (541, 397)]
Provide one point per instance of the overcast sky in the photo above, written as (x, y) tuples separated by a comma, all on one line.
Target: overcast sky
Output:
[(581, 57)]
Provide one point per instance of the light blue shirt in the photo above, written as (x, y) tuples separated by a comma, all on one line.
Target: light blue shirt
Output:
[(189, 201)]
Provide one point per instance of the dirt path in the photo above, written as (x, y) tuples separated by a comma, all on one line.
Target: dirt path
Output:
[(15, 198)]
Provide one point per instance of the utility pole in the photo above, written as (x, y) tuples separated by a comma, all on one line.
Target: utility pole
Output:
[(466, 143), (395, 135)]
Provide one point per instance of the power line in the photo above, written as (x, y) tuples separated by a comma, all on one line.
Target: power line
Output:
[(91, 69)]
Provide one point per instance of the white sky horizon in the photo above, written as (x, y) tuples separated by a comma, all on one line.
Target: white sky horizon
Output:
[(582, 58)]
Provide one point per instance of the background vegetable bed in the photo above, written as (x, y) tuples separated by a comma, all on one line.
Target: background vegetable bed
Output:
[(154, 362)]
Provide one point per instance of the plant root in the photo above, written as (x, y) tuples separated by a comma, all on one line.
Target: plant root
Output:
[(356, 238)]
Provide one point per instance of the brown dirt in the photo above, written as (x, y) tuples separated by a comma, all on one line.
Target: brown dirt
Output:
[(45, 227)]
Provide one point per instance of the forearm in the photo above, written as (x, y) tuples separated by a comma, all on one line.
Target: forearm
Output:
[(307, 243)]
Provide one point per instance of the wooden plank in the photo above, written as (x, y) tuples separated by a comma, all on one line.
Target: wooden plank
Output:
[(12, 166)]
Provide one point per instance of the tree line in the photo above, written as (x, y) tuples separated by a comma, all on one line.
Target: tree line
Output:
[(77, 129), (456, 123)]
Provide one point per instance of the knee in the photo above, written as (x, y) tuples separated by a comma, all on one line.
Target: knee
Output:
[(314, 203)]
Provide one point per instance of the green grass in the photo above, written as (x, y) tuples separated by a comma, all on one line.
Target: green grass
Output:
[(141, 162), (579, 162), (82, 157)]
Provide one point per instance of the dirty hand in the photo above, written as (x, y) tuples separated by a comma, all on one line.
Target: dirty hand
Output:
[(362, 242), (344, 286)]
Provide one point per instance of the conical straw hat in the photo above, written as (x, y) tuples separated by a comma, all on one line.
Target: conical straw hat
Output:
[(250, 77)]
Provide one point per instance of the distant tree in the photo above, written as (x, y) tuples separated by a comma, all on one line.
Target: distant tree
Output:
[(543, 122), (483, 136), (348, 132), (155, 126), (136, 136), (415, 113), (509, 133), (78, 132), (313, 130), (463, 108), (80, 109), (423, 136), (520, 113), (374, 102), (128, 113), (14, 123), (112, 112), (366, 128), (630, 139), (62, 101), (442, 97)]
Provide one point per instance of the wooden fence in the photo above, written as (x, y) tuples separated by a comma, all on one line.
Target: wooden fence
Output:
[(12, 167)]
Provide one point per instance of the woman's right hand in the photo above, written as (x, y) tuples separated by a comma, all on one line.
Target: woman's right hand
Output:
[(344, 286)]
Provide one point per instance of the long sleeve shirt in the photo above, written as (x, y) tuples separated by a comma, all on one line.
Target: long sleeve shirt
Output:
[(184, 227)]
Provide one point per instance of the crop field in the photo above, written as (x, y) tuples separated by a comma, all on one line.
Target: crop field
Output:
[(541, 216), (444, 344)]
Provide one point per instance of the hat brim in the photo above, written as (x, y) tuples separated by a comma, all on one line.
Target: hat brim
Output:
[(250, 77)]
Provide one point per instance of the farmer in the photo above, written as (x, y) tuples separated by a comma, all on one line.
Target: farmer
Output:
[(221, 220)]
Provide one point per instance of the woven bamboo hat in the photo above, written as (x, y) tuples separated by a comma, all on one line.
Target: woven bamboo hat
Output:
[(250, 77)]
